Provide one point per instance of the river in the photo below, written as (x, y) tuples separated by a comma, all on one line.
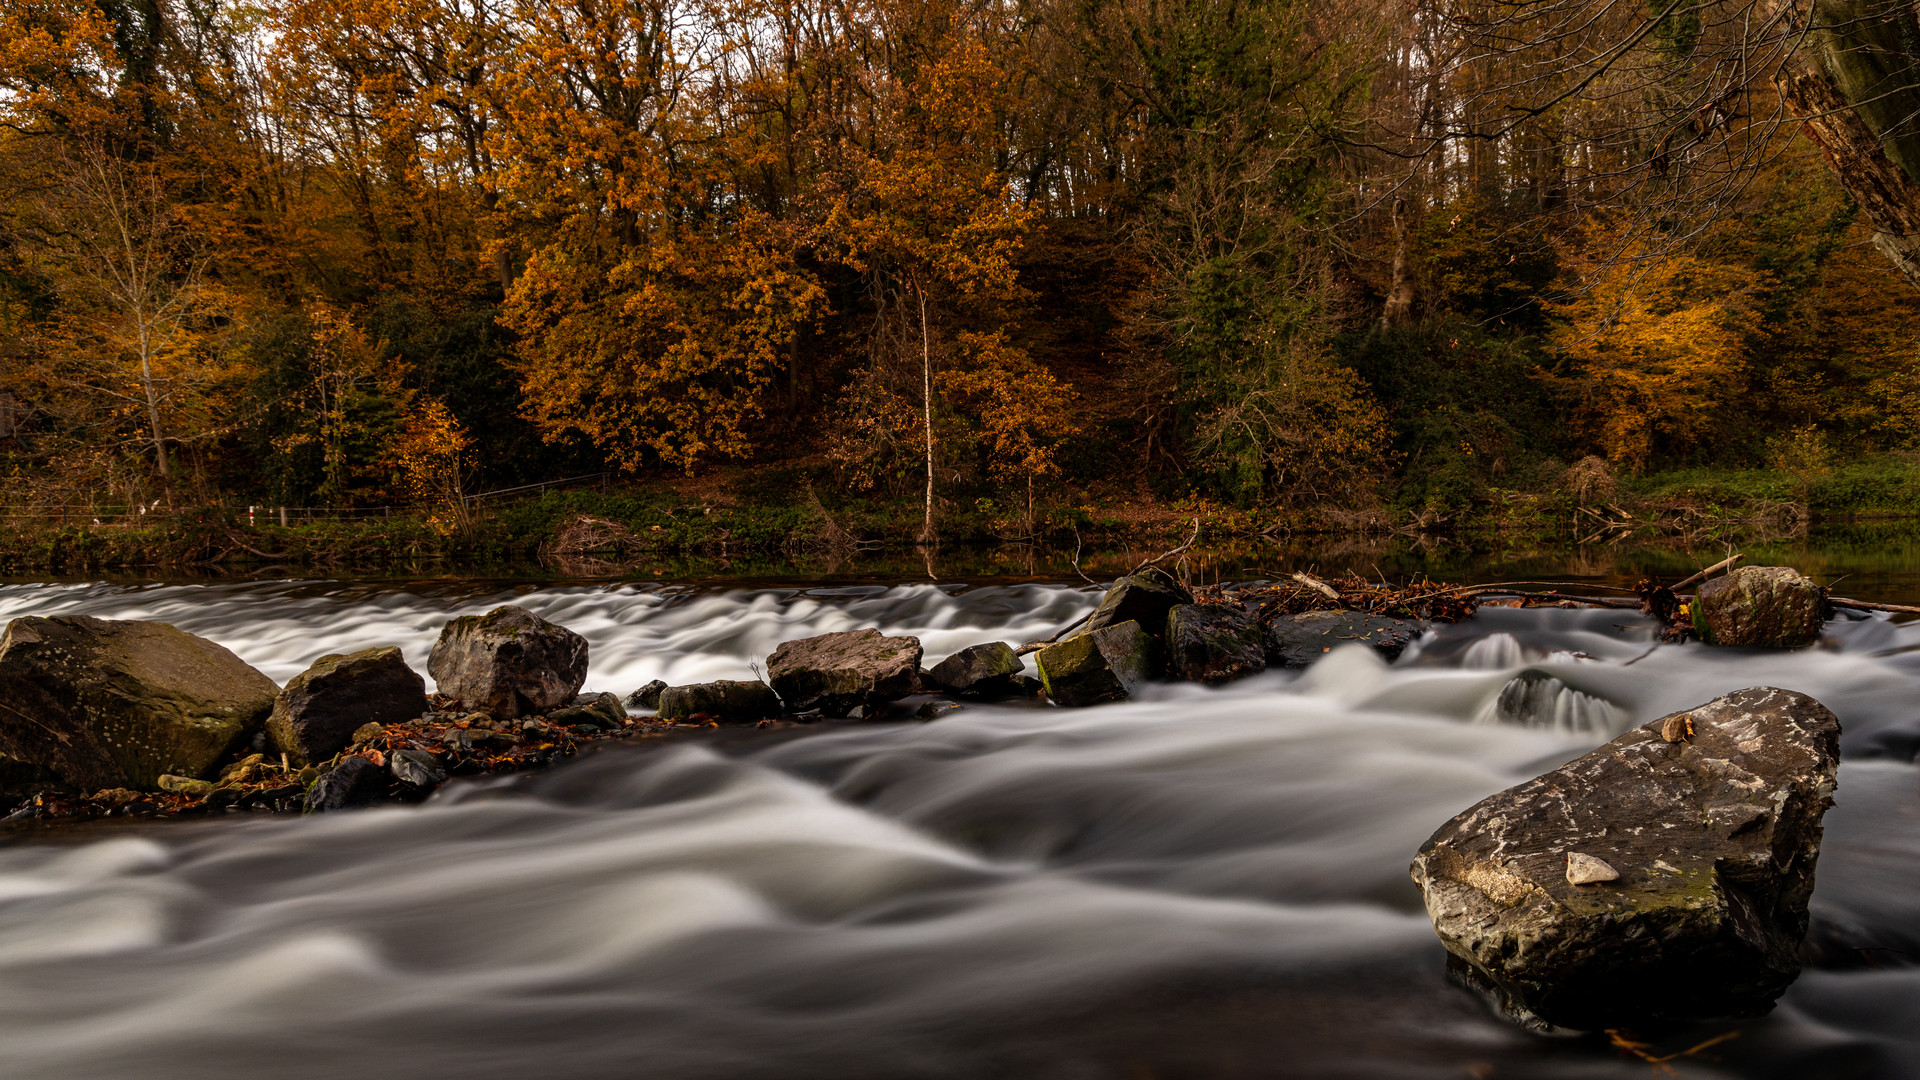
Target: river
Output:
[(1199, 883)]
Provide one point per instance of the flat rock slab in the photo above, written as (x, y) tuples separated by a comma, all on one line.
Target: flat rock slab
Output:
[(1764, 607), (1297, 641), (1213, 643), (1108, 664), (108, 703), (508, 662), (1711, 840), (837, 672), (318, 711), (727, 701), (978, 672)]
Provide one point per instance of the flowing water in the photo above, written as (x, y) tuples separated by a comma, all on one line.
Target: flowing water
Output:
[(1200, 883)]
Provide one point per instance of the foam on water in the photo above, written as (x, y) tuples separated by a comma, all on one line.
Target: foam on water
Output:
[(1201, 882)]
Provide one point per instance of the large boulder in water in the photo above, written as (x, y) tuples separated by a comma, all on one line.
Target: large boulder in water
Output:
[(108, 704), (978, 671), (1108, 664), (1213, 643), (508, 662), (1767, 607), (1143, 598), (837, 673), (317, 713), (727, 701), (1662, 878), (1299, 640)]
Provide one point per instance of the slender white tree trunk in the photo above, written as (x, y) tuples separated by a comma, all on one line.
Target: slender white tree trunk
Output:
[(927, 534)]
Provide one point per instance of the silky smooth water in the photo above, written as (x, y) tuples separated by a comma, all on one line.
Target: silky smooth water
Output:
[(1199, 883)]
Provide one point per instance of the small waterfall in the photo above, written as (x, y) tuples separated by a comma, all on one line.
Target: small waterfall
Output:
[(1495, 652), (1536, 699)]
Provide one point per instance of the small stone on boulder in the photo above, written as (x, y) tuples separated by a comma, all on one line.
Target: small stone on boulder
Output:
[(106, 703), (508, 662), (728, 701), (647, 697), (317, 714), (1108, 664), (978, 671), (1649, 882), (1143, 598), (184, 785), (836, 672), (1297, 641), (1764, 607), (1213, 643)]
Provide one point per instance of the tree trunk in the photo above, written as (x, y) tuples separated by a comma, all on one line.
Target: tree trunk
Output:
[(153, 422), (1856, 98), (1399, 305), (927, 534)]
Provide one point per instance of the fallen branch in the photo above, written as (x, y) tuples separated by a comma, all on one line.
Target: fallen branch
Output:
[(1703, 575), (1036, 646), (1195, 535), (1862, 605), (1317, 585)]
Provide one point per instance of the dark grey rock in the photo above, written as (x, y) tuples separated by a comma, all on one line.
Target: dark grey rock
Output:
[(1711, 819), (978, 671), (109, 704), (647, 697), (508, 662), (728, 702), (1143, 598), (1299, 640), (416, 767), (353, 782), (1108, 664), (1213, 643), (600, 710), (319, 710), (1765, 607), (835, 672)]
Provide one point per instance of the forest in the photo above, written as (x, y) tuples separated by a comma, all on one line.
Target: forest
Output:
[(1354, 265)]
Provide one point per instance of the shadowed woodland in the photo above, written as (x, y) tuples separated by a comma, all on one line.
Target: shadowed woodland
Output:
[(1371, 261)]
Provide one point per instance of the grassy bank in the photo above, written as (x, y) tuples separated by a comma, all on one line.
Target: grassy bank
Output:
[(745, 519)]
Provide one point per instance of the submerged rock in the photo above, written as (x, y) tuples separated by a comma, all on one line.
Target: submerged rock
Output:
[(508, 662), (727, 701), (978, 671), (1108, 664), (1299, 640), (1213, 643), (836, 672), (1537, 699), (1711, 839), (1143, 598), (1766, 607), (319, 711), (109, 704)]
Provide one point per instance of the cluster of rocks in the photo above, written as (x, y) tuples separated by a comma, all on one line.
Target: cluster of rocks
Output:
[(142, 717), (1148, 626)]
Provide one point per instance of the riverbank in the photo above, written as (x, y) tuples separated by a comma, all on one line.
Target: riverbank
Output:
[(746, 520)]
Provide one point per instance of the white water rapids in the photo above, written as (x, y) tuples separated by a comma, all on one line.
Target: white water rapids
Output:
[(1201, 883)]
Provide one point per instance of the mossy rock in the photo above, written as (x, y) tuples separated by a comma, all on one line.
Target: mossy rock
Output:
[(108, 704), (1108, 664), (1762, 607)]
